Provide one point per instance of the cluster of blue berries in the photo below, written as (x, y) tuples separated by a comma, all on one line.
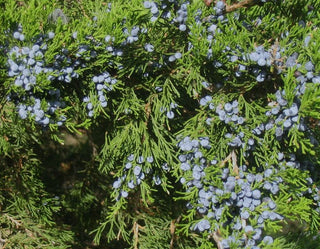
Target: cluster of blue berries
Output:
[(153, 9), (133, 35), (169, 110), (41, 115), (18, 34), (291, 162), (239, 193), (25, 63), (235, 140), (175, 56), (63, 68), (228, 112), (213, 21), (182, 16), (135, 171), (261, 56), (26, 66), (303, 77), (283, 117), (258, 62), (174, 11), (312, 191), (29, 68), (315, 195), (264, 59), (103, 83), (115, 51), (219, 10)]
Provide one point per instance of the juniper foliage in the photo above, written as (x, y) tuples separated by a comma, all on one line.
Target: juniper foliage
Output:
[(159, 124)]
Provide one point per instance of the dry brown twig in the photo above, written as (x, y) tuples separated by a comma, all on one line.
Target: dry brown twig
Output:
[(217, 238), (136, 234), (235, 6), (234, 162), (136, 228), (226, 160), (173, 231), (82, 9), (242, 4), (233, 158), (14, 221)]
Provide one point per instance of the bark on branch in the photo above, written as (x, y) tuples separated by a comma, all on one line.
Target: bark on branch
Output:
[(242, 4), (235, 6)]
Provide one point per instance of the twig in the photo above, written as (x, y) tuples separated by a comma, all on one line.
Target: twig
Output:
[(82, 9), (136, 234), (244, 224), (234, 162), (119, 235), (217, 238), (235, 6), (208, 2), (226, 160), (242, 4), (16, 222), (173, 231)]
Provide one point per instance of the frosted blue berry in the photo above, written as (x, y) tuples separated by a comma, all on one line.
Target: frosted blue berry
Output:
[(178, 55), (267, 240), (157, 180), (131, 184), (140, 159), (50, 35), (274, 189), (130, 157), (147, 4), (124, 193), (137, 170), (309, 66), (245, 215), (287, 123), (154, 10), (248, 229), (170, 114), (16, 35), (117, 183), (148, 47), (45, 121), (220, 5), (202, 225), (256, 194), (271, 205), (23, 113), (150, 159), (128, 165), (185, 166), (267, 185), (182, 27), (204, 142), (21, 37)]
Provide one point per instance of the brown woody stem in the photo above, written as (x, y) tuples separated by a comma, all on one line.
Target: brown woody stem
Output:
[(242, 4), (235, 6)]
